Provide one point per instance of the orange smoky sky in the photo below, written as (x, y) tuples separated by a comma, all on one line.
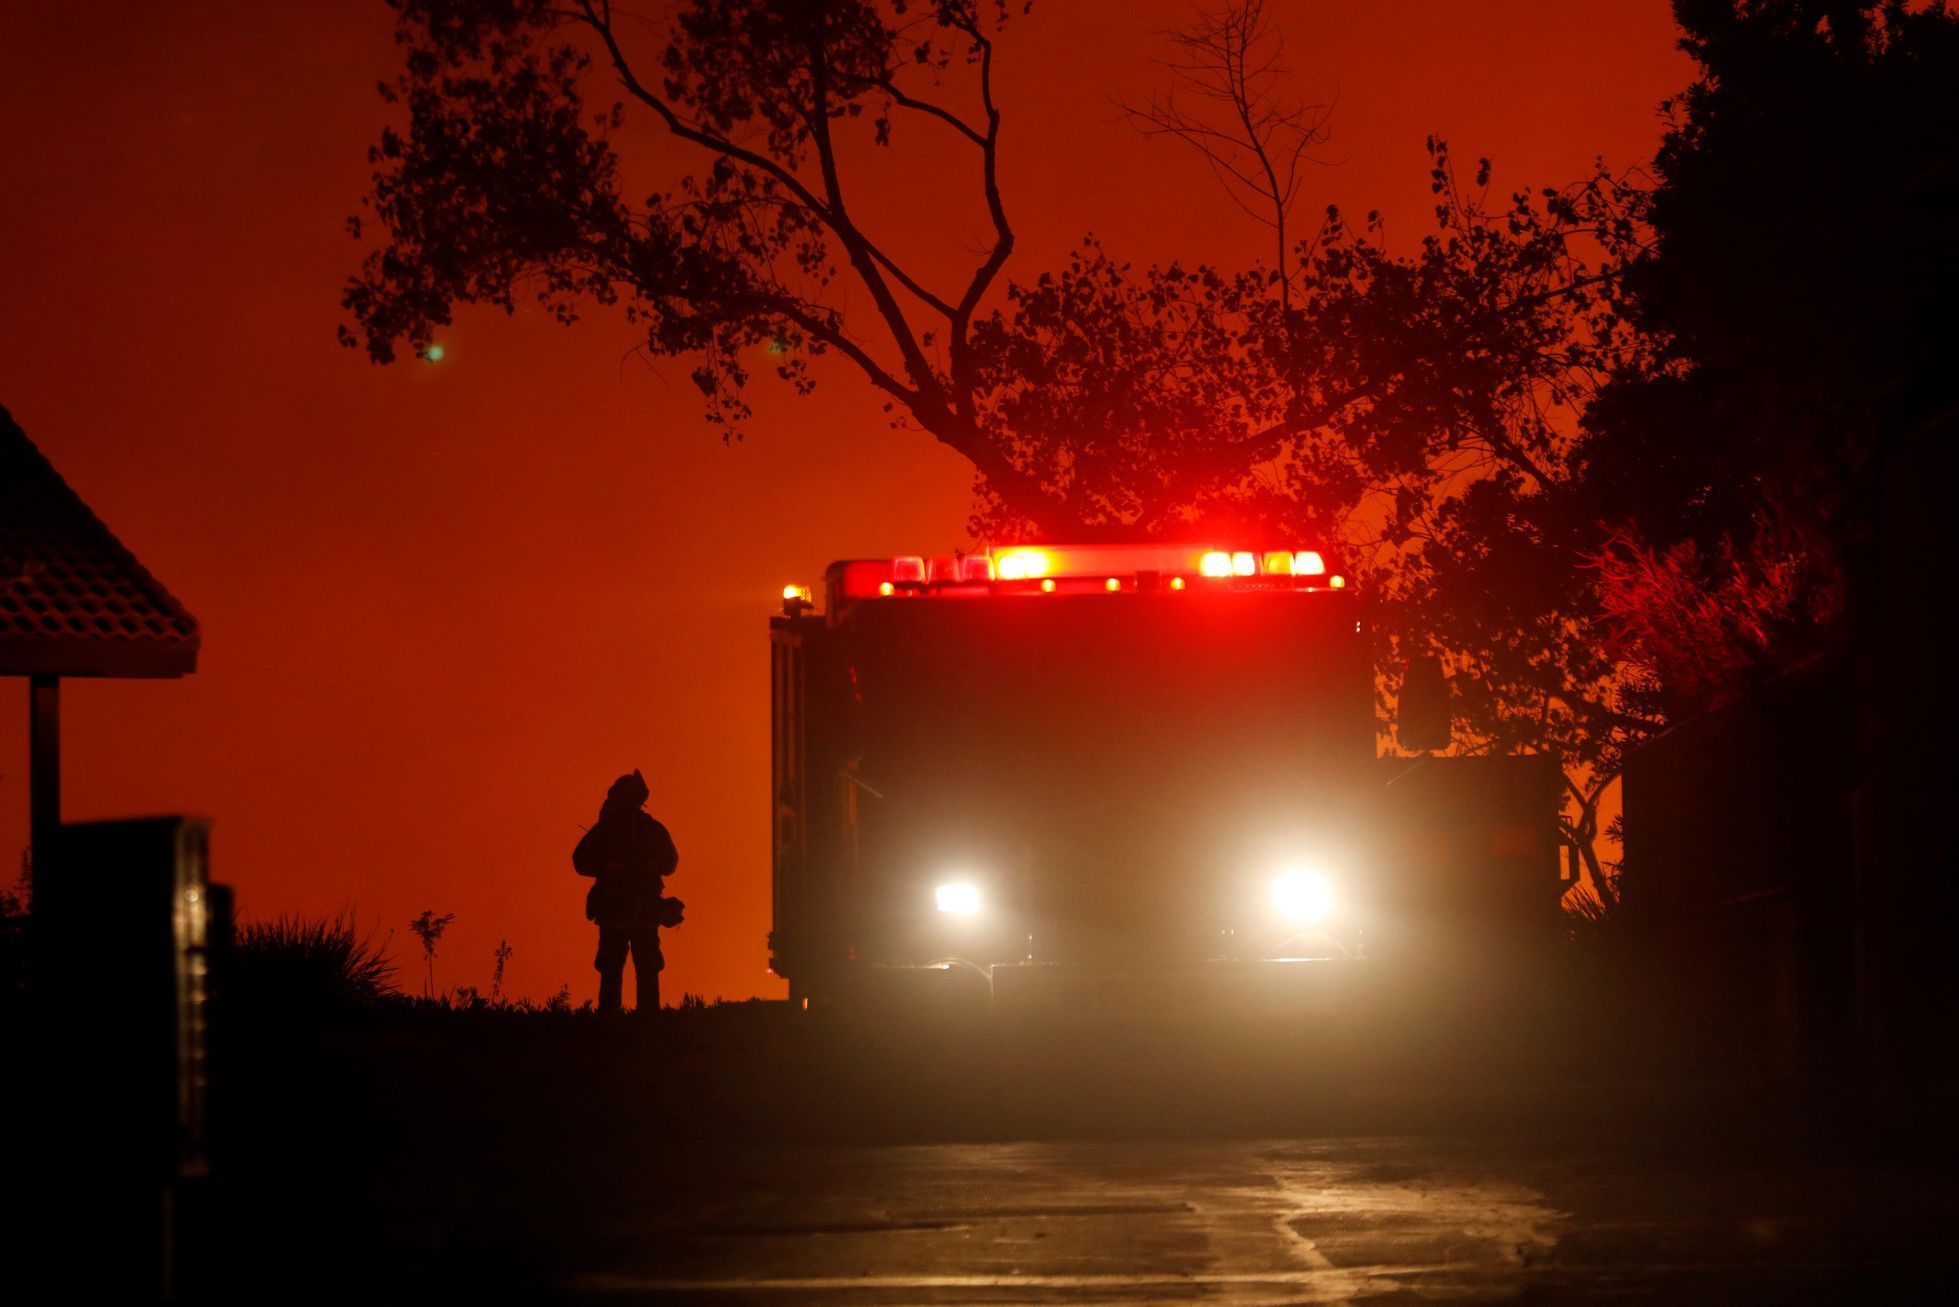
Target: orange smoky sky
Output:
[(444, 605)]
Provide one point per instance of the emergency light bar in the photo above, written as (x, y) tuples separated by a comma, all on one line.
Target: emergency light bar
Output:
[(1080, 569)]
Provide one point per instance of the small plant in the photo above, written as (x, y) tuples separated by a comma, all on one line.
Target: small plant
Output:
[(496, 977), (14, 905), (560, 1001), (428, 928), (15, 902)]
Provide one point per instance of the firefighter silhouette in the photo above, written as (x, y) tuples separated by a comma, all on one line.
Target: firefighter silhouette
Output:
[(629, 856)]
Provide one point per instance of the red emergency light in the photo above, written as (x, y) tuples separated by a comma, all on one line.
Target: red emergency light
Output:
[(1080, 569)]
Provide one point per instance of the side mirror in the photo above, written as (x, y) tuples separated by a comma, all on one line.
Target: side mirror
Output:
[(1422, 716)]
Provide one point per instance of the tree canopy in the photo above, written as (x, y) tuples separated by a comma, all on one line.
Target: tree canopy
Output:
[(507, 181), (1594, 444), (1800, 269), (1092, 401)]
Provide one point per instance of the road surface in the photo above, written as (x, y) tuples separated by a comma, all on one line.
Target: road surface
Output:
[(741, 1160), (1255, 1222)]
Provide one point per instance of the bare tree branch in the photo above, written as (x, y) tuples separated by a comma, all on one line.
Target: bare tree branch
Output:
[(1231, 61), (1003, 235)]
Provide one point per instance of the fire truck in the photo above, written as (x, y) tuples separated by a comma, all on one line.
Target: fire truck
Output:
[(1130, 766)]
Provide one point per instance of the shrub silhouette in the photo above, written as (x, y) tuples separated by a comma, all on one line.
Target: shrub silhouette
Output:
[(294, 963)]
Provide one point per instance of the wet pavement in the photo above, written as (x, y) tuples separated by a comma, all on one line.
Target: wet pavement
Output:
[(735, 1158), (1245, 1222)]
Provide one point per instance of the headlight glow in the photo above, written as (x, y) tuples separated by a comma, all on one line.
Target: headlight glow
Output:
[(1303, 897), (960, 898)]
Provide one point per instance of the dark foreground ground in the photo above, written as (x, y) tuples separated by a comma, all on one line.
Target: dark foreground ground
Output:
[(748, 1154), (1264, 1221)]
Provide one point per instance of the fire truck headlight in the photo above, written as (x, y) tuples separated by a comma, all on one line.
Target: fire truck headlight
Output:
[(1303, 897), (959, 898)]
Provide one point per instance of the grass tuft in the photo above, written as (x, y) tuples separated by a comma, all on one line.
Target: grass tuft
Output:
[(311, 964)]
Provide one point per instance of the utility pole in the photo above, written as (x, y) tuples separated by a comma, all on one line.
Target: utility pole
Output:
[(43, 776)]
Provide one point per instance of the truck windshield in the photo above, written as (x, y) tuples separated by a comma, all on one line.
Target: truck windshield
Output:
[(1145, 730)]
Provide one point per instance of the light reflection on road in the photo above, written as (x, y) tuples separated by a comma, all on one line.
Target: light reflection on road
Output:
[(1238, 1223)]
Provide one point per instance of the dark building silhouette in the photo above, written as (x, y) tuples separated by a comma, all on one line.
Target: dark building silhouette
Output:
[(73, 602), (121, 919)]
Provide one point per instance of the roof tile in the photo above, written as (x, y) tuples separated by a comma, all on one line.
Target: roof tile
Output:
[(73, 601)]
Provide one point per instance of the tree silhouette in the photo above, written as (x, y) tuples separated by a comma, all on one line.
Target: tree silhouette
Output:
[(1424, 407), (1228, 100), (1538, 429), (1799, 283), (1691, 529), (1344, 391), (504, 182), (1601, 446)]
